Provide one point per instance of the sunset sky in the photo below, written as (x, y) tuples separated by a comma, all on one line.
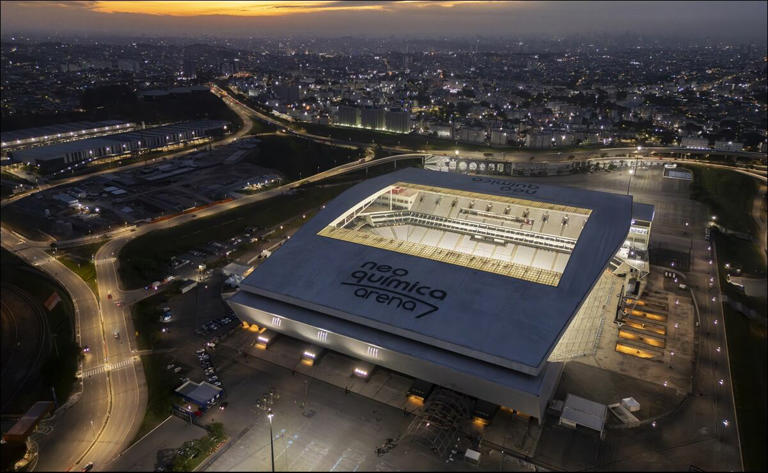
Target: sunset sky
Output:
[(728, 20)]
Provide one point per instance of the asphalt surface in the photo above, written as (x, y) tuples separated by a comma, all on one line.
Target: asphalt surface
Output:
[(111, 404), (694, 434), (107, 412), (72, 433), (25, 343)]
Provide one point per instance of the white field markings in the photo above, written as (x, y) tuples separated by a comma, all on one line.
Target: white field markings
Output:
[(350, 460), (312, 455), (106, 367)]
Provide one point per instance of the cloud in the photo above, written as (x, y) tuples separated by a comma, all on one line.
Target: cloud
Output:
[(224, 8), (736, 20)]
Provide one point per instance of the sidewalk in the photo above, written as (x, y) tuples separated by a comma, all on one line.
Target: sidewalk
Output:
[(513, 433), (160, 442), (385, 386)]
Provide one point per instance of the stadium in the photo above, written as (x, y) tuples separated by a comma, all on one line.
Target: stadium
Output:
[(480, 285)]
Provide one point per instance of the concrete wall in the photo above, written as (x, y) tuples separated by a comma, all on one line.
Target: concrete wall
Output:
[(480, 388)]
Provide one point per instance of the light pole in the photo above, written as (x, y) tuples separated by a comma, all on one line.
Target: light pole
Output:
[(270, 415), (633, 170)]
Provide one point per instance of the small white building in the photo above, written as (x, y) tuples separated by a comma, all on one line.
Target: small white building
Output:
[(579, 411)]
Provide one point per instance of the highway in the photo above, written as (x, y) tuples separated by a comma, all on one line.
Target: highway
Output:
[(114, 427), (240, 111), (111, 406), (247, 114), (73, 433)]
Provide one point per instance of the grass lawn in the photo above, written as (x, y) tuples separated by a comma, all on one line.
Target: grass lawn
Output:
[(20, 221), (384, 138), (146, 314), (748, 352), (85, 269), (59, 368), (730, 195), (297, 158), (147, 257), (8, 181), (200, 449), (79, 260)]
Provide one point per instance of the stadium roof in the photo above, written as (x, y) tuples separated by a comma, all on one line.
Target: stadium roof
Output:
[(497, 309)]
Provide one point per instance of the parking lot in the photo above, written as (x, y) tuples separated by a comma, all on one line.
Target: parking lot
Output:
[(202, 343), (142, 194)]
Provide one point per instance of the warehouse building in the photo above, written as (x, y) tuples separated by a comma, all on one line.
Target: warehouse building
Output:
[(480, 285), (29, 137), (62, 155)]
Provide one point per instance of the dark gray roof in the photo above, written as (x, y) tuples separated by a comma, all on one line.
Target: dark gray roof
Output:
[(201, 394), (510, 322), (56, 151), (642, 211), (11, 136)]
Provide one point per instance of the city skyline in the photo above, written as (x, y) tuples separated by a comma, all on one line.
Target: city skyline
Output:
[(383, 236), (735, 21)]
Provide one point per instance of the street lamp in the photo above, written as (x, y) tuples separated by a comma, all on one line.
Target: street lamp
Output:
[(632, 171), (270, 415)]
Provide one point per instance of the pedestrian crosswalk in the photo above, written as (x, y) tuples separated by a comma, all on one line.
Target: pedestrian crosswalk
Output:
[(107, 367)]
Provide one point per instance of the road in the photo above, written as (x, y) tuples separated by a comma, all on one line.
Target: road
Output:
[(109, 409), (240, 111), (94, 429), (247, 114), (113, 317), (695, 433), (74, 435)]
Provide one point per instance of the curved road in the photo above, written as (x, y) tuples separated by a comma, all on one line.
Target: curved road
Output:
[(108, 410), (113, 397), (125, 384)]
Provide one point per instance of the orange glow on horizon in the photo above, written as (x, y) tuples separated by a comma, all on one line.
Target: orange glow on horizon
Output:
[(191, 8), (261, 9)]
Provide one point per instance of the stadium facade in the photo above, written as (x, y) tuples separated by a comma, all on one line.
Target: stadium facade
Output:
[(477, 284)]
